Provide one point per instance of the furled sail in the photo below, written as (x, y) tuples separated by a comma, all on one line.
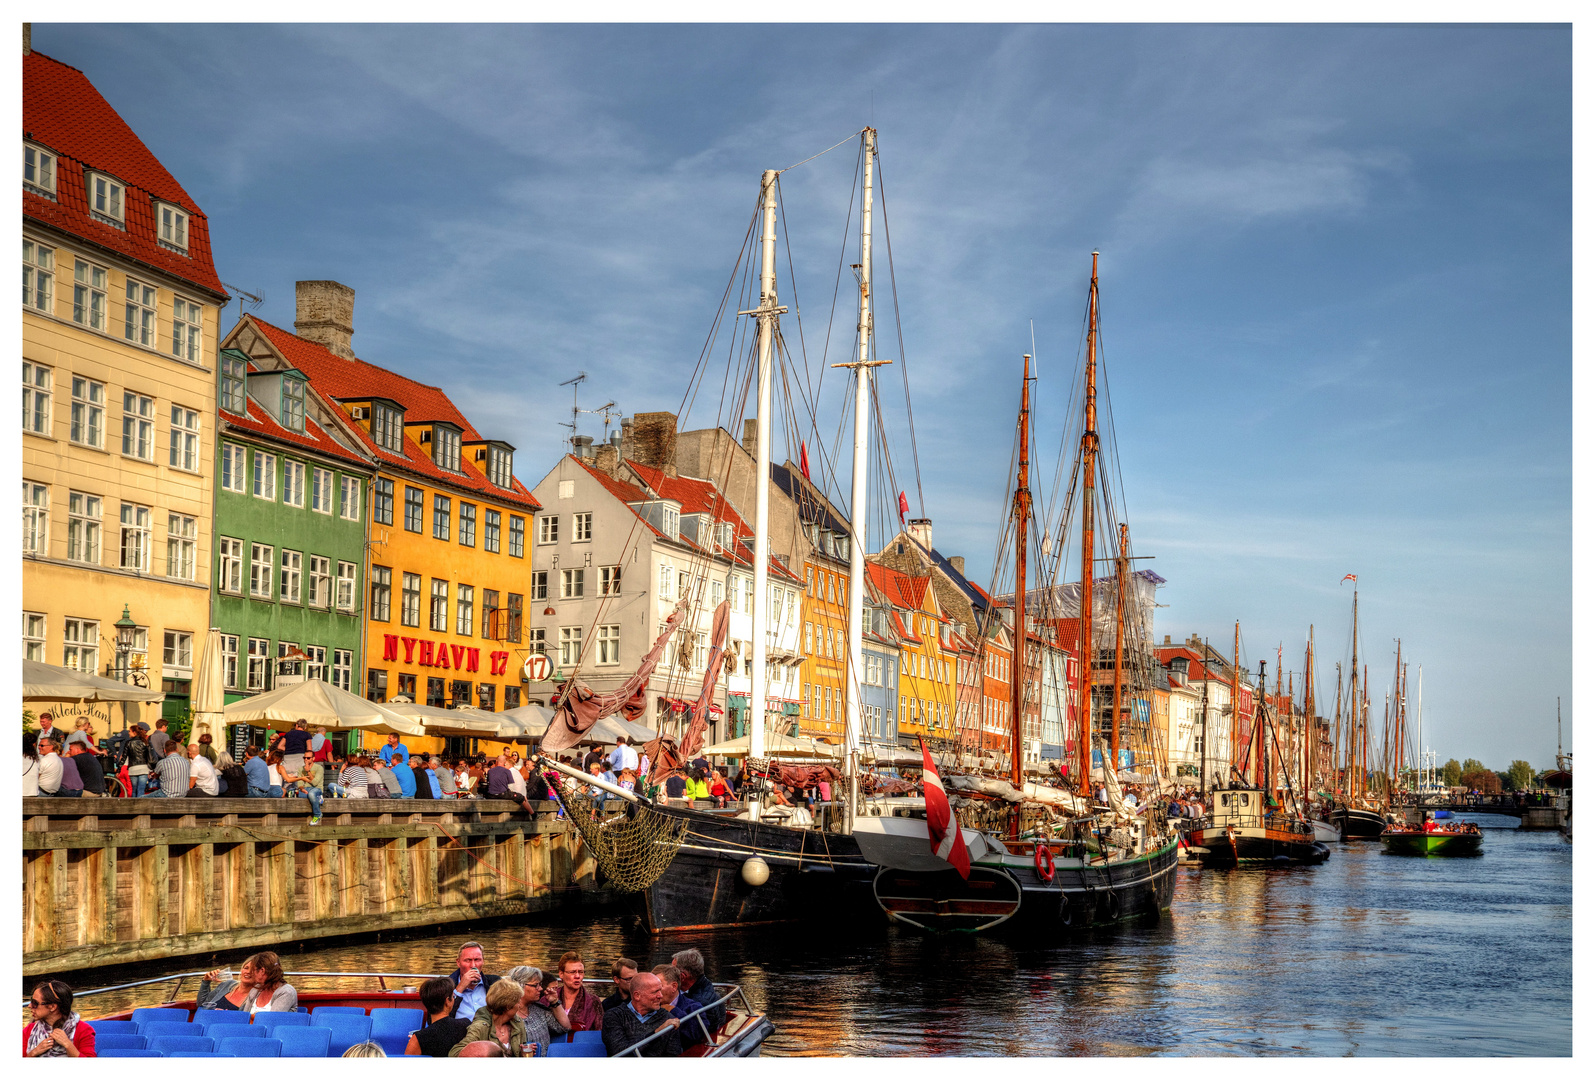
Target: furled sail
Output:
[(580, 707)]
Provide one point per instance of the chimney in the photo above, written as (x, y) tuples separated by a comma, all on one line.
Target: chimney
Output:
[(750, 437), (653, 440), (324, 313), (919, 529), (27, 38), (958, 563), (582, 447), (606, 459)]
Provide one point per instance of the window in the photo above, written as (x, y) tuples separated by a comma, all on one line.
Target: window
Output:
[(105, 198), (464, 610), (321, 490), (499, 469), (38, 169), (717, 593), (512, 619), (410, 600), (33, 636), (293, 403), (440, 606), (139, 323), (88, 412), (460, 691), (182, 535), (747, 595), (722, 534), (188, 330), (808, 638), (230, 396), (342, 668), (440, 517), (348, 585), (468, 524), (570, 645), (407, 685), (265, 476), (490, 530), (293, 483), (683, 584), (539, 584), (548, 529), (517, 536), (135, 538), (387, 427), (178, 653), (413, 497), (185, 439), (486, 695), (609, 644), (382, 502), (173, 227), (434, 693), (88, 295), (734, 592), (537, 641), (230, 569), (35, 518), (609, 581), (81, 648), (672, 522), (259, 658), (666, 576), (581, 526), (138, 426), (571, 584), (319, 594), (491, 630), (512, 697), (381, 593), (377, 684), (446, 448), (292, 572), (349, 498), (260, 568), (230, 661), (36, 382)]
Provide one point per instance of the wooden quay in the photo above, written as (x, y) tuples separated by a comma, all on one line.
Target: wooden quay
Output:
[(113, 881)]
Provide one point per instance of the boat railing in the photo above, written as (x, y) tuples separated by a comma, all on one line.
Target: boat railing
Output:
[(697, 1014), (177, 978)]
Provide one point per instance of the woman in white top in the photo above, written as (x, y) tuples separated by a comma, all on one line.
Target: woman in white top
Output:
[(274, 770), (262, 973), (30, 764)]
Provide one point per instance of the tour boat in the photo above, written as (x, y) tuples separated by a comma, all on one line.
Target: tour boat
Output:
[(1241, 828), (1438, 834)]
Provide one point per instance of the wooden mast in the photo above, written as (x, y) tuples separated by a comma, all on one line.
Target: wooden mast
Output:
[(1021, 517), (1118, 639), (1354, 783), (1088, 540), (1310, 706), (1236, 763), (1337, 763)]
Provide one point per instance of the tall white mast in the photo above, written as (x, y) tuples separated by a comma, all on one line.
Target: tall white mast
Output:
[(767, 312), (1420, 727), (861, 414)]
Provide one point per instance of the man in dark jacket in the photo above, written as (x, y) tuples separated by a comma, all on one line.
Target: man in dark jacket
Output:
[(470, 982), (640, 1018), (622, 971), (679, 1005), (140, 758), (693, 985)]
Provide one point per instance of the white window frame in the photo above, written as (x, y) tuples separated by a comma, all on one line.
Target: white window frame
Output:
[(107, 197), (342, 668), (263, 477), (139, 313), (188, 329), (177, 655), (38, 276), (234, 468), (608, 644), (182, 545), (381, 578), (184, 449), (539, 585), (464, 610), (35, 518), (667, 577), (42, 164), (230, 661), (293, 483), (442, 512), (570, 645), (548, 529), (318, 584), (35, 626), (171, 226), (291, 413), (446, 448), (387, 427), (672, 520), (138, 426), (491, 525), (438, 607), (500, 467), (135, 538), (230, 565), (347, 586), (38, 383), (90, 305), (410, 599), (231, 393), (262, 570), (517, 549), (466, 533), (321, 490), (88, 413), (291, 578), (609, 581), (581, 527), (80, 645), (572, 583), (349, 495), (258, 673)]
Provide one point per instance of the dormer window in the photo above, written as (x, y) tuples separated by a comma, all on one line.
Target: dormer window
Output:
[(387, 427), (1180, 665), (230, 392), (722, 534), (672, 520), (105, 199), (499, 468), (293, 403), (173, 224), (446, 448), (38, 170)]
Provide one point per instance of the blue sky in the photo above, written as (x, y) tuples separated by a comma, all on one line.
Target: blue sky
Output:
[(1336, 274)]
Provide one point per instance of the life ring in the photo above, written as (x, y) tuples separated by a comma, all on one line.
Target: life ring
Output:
[(1046, 866), (1115, 907)]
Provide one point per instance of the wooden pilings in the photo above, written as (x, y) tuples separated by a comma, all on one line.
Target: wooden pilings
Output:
[(109, 881)]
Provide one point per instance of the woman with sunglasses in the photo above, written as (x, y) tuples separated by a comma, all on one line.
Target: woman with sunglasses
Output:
[(55, 1030)]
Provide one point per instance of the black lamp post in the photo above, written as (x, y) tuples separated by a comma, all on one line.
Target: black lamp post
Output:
[(125, 628)]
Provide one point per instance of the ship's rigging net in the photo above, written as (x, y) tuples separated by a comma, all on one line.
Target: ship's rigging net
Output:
[(633, 849)]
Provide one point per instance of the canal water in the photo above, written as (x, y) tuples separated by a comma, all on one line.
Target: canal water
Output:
[(1365, 955)]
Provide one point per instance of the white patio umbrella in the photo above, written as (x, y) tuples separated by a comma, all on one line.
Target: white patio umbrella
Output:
[(467, 721), (46, 682), (208, 700), (774, 746), (321, 704)]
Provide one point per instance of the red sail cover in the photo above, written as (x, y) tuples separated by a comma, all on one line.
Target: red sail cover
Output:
[(580, 707), (692, 741), (946, 838)]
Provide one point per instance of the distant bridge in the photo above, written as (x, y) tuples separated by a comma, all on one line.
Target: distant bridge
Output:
[(1536, 809)]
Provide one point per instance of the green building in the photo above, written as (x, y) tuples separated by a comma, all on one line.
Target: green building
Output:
[(292, 500)]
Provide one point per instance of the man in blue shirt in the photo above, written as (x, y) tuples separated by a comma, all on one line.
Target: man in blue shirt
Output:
[(470, 982), (394, 749), (257, 774), (406, 779)]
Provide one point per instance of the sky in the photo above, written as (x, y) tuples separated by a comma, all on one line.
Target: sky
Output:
[(1336, 277)]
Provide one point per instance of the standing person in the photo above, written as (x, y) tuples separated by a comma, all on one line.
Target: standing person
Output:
[(442, 1030), (202, 779), (586, 1012), (159, 739), (622, 757), (48, 730), (30, 764), (470, 981), (172, 770), (640, 1018), (55, 1030), (208, 750), (293, 745), (621, 971), (82, 735), (140, 756), (320, 756), (394, 749)]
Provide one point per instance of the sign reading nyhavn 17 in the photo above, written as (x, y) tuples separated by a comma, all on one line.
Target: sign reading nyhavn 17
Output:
[(440, 654)]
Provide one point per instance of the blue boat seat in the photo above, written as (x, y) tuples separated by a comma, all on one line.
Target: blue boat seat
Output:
[(347, 1030), (209, 1018), (587, 1036), (390, 1028), (196, 1053), (282, 1019), (116, 1027), (118, 1052), (166, 1044), (117, 1040), (577, 1050), (143, 1016), (337, 1010), (304, 1042), (251, 1047), (156, 1029)]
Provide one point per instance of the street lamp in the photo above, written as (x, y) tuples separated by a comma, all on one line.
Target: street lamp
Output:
[(125, 629)]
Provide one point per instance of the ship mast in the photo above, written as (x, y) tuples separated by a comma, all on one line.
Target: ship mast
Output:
[(1021, 518), (1088, 525), (1118, 638), (1353, 784), (1235, 707)]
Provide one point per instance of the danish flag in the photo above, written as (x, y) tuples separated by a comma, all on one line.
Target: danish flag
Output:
[(803, 461), (1349, 577), (946, 838)]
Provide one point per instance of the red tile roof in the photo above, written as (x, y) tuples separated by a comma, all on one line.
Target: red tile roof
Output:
[(314, 437), (64, 113), (898, 587), (356, 380)]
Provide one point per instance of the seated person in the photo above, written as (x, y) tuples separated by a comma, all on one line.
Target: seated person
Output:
[(497, 1021), (268, 992), (693, 1031), (216, 992), (641, 1018), (540, 1010), (695, 985), (448, 786), (442, 1031), (675, 786)]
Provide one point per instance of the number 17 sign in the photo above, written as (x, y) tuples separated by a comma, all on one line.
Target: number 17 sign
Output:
[(537, 668)]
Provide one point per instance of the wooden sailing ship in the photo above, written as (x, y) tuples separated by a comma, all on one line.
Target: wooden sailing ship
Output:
[(1356, 813)]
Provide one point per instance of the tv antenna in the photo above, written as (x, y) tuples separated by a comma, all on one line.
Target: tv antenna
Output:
[(576, 410), (244, 294)]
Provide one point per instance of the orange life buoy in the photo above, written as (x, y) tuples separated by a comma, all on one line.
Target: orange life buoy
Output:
[(1045, 867)]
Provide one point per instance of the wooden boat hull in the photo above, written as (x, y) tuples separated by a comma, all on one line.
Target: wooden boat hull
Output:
[(1255, 846), (946, 903), (1433, 844), (812, 875), (1357, 824)]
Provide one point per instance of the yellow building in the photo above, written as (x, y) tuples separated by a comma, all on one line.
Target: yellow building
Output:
[(824, 668), (448, 576), (120, 306), (927, 672)]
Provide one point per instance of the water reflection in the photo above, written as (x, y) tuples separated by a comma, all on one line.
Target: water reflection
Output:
[(1363, 955)]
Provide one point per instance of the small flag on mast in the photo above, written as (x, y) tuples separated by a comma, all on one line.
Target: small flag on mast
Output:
[(902, 505), (1349, 577), (803, 460), (946, 838)]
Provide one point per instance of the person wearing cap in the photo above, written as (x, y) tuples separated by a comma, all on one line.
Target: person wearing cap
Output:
[(139, 757)]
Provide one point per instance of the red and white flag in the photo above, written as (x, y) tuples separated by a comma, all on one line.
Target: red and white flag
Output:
[(1349, 577), (902, 505), (946, 838), (803, 461)]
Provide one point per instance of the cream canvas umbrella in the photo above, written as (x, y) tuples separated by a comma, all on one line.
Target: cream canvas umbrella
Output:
[(321, 704), (46, 682), (468, 722), (208, 700), (774, 746)]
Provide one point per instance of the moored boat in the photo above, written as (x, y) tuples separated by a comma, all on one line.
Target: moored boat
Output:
[(1433, 836), (1243, 829)]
